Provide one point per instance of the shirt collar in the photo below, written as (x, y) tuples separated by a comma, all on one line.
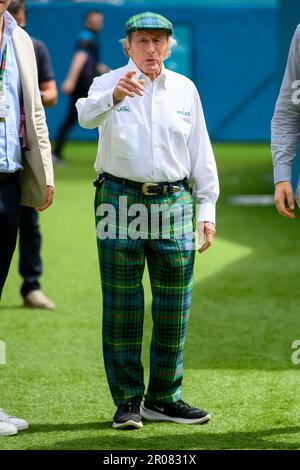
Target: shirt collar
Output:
[(9, 23), (140, 75)]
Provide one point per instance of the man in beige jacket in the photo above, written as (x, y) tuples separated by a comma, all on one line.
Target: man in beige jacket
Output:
[(26, 172)]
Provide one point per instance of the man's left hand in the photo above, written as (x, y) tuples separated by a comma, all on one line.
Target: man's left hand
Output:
[(49, 199), (209, 235)]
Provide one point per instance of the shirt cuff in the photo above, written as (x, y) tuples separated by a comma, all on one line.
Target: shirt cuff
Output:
[(107, 101), (282, 173), (207, 212)]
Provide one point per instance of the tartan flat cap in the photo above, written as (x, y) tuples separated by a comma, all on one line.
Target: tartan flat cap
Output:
[(148, 20)]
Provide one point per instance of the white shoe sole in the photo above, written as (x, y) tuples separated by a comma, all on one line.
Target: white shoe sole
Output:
[(9, 432), (150, 415), (127, 424), (31, 305)]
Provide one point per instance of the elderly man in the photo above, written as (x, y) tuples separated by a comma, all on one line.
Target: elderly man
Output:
[(153, 138), (26, 173)]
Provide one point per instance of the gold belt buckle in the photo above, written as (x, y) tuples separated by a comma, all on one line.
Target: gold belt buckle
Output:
[(145, 189), (165, 188)]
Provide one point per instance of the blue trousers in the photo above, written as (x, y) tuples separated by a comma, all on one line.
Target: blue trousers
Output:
[(30, 264), (9, 224)]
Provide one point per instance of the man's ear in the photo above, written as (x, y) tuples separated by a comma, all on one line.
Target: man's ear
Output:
[(128, 48)]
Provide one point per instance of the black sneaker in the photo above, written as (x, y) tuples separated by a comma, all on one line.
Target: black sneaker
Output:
[(128, 415), (179, 412)]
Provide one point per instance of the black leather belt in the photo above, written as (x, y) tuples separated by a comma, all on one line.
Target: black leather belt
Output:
[(149, 188)]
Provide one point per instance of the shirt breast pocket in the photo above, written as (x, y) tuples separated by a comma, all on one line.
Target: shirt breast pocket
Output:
[(125, 141)]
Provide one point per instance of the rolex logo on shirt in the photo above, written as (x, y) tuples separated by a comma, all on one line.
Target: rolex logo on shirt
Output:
[(183, 111)]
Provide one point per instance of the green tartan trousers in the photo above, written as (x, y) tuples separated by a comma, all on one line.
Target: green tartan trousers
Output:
[(122, 261)]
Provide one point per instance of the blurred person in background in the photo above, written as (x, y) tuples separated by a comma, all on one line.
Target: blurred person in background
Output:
[(286, 132), (26, 171), (85, 66), (30, 265), (152, 139)]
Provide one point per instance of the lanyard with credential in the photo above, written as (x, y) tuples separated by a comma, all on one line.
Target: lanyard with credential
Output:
[(2, 69), (4, 103)]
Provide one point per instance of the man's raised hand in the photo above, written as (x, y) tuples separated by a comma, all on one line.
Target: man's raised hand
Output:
[(127, 86)]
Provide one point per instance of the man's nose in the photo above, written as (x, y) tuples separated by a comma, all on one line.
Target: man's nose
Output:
[(151, 48)]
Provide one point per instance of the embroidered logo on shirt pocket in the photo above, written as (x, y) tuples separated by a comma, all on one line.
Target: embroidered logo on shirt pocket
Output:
[(125, 141)]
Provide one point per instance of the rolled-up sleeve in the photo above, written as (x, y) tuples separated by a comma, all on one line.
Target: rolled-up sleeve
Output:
[(285, 124), (204, 169)]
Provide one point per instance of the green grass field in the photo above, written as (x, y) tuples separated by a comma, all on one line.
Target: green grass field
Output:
[(245, 316)]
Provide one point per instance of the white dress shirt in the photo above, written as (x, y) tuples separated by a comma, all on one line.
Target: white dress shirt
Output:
[(160, 136)]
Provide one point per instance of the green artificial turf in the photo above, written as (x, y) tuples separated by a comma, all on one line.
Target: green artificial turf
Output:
[(245, 316)]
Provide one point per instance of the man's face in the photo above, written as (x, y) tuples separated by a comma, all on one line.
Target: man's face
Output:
[(4, 5), (148, 49), (94, 22)]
